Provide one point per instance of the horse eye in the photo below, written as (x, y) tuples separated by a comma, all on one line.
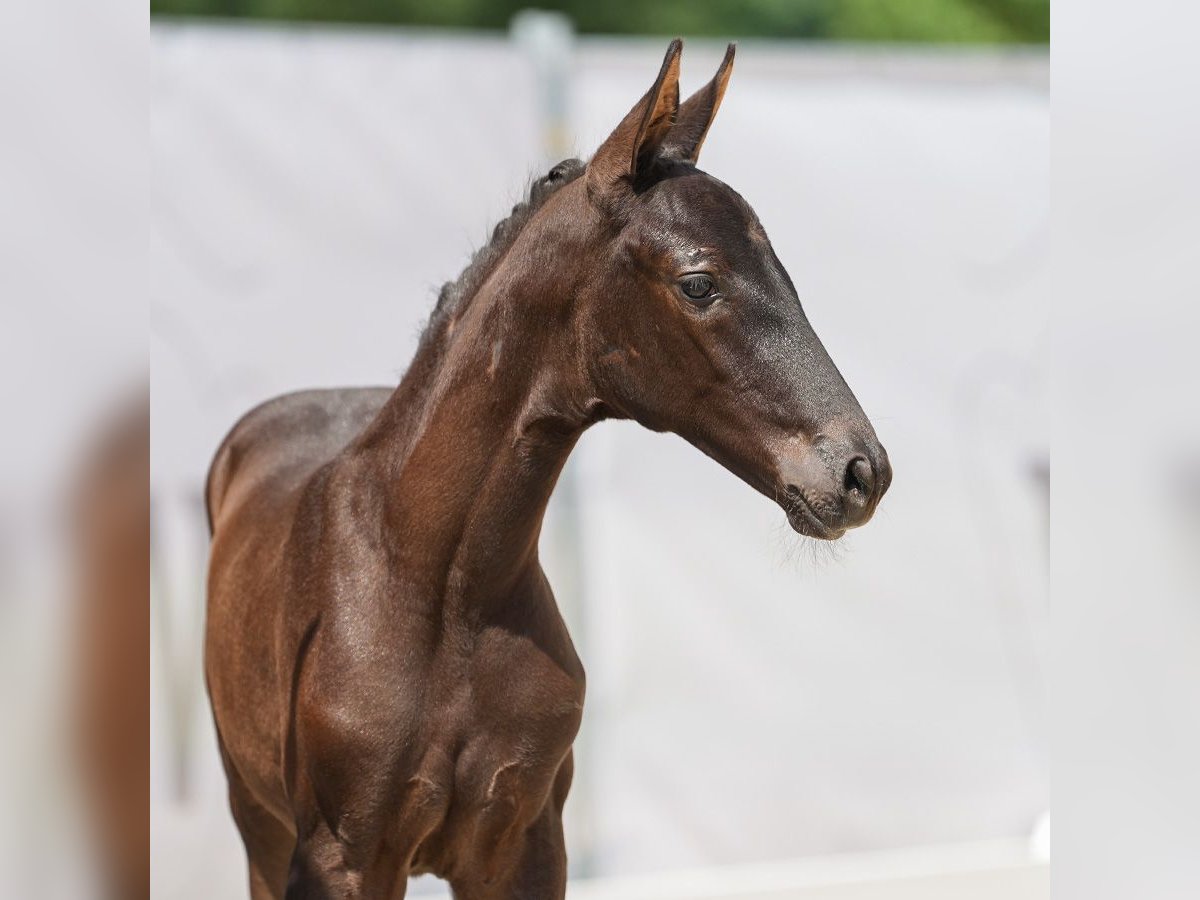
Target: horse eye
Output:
[(698, 287)]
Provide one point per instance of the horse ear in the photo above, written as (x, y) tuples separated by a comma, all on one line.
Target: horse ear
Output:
[(635, 142), (697, 113)]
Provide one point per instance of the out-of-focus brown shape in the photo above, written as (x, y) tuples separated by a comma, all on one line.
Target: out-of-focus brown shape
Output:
[(112, 517)]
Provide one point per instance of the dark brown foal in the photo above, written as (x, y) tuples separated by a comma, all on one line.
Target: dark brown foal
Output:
[(394, 689)]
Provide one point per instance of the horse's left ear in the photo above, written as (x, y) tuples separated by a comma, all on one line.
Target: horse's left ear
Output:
[(696, 114), (636, 141)]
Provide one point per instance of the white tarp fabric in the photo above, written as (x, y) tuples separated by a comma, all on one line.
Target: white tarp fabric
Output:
[(748, 698)]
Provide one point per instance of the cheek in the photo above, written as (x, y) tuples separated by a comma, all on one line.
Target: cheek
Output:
[(713, 345), (638, 372)]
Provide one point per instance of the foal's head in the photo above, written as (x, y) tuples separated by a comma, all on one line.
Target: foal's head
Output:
[(691, 324)]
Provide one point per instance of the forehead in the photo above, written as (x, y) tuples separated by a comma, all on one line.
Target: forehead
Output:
[(688, 209)]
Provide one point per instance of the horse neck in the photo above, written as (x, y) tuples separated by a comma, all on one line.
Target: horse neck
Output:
[(473, 440)]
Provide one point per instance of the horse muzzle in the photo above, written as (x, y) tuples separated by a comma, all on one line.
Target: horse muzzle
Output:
[(833, 484)]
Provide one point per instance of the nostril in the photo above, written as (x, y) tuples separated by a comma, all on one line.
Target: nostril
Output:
[(860, 478)]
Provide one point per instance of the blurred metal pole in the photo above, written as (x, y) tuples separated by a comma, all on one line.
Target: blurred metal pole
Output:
[(548, 39)]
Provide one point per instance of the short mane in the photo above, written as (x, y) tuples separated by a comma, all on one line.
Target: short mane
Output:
[(456, 294)]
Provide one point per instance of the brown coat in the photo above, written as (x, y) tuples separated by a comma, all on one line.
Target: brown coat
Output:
[(393, 686)]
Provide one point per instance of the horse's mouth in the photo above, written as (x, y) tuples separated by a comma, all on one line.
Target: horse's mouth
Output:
[(804, 521)]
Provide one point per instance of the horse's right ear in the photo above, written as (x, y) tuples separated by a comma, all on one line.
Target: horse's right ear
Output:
[(634, 143)]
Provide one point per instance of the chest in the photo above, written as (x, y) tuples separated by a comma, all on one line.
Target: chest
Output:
[(496, 758)]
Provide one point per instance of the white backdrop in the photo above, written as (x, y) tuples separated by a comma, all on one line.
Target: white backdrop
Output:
[(749, 698)]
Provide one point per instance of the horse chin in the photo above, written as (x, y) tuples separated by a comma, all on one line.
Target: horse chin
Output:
[(805, 522)]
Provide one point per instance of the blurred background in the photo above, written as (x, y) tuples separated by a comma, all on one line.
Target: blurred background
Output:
[(765, 717)]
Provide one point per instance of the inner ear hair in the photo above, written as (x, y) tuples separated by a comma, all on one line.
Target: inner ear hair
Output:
[(660, 116)]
